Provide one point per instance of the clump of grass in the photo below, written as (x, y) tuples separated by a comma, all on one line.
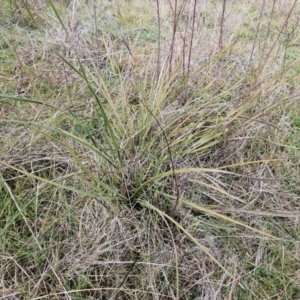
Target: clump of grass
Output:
[(144, 163)]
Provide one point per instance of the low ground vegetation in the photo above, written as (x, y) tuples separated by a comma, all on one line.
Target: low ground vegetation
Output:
[(149, 149)]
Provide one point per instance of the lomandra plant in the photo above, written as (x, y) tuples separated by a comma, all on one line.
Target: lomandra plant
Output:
[(141, 146)]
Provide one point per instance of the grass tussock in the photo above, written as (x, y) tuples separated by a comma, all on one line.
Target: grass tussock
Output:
[(149, 150)]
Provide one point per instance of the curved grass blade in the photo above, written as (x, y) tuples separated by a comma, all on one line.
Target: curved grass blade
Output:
[(194, 206), (182, 171), (59, 185), (221, 191), (189, 235), (66, 134), (28, 100)]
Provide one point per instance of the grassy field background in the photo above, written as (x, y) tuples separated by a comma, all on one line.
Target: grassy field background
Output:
[(149, 149)]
